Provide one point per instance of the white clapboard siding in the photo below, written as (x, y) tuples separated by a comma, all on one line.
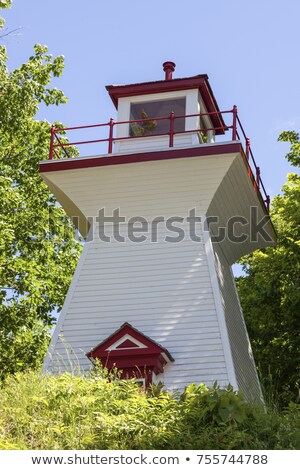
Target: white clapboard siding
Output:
[(154, 322), (182, 294), (148, 143), (163, 289), (175, 307), (244, 365)]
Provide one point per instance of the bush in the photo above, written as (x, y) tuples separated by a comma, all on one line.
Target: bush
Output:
[(101, 411)]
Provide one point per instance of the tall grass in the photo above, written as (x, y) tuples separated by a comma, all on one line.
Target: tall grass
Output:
[(101, 411)]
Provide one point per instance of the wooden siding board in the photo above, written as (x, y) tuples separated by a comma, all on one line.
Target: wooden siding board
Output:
[(153, 270), (146, 295), (190, 283), (129, 248), (175, 312), (155, 321)]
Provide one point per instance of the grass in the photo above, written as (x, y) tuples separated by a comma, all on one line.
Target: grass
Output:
[(99, 411)]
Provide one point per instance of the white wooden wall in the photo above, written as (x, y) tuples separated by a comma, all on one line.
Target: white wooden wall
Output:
[(172, 292), (162, 289)]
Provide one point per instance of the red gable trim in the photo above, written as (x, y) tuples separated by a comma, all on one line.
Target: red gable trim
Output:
[(126, 328)]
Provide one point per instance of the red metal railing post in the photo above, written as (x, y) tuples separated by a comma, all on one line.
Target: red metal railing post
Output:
[(268, 203), (51, 142), (247, 148), (234, 112), (257, 176), (171, 138), (110, 138)]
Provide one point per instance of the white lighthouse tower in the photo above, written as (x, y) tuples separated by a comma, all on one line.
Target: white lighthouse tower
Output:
[(165, 213)]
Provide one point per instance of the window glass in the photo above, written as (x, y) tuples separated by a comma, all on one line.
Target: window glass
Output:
[(154, 109)]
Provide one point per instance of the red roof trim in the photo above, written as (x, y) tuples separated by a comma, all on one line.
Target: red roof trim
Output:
[(161, 86), (199, 82), (90, 162)]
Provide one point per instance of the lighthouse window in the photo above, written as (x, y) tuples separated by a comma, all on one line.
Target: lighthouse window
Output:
[(156, 109)]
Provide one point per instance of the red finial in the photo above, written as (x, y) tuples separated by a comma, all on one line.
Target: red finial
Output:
[(169, 68)]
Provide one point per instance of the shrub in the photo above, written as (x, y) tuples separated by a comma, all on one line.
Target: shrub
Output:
[(101, 411)]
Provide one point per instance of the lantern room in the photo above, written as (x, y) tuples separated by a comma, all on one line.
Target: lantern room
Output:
[(166, 113)]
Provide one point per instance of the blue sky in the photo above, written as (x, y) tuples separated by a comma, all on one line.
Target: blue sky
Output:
[(249, 49)]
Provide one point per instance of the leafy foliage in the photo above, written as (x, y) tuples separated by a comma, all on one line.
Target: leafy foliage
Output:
[(293, 138), (101, 411), (4, 4), (143, 128), (38, 252), (270, 293)]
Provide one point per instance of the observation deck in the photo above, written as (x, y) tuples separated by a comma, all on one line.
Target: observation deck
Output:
[(155, 138)]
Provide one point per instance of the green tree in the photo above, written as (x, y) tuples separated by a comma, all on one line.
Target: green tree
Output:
[(4, 4), (38, 251), (270, 292)]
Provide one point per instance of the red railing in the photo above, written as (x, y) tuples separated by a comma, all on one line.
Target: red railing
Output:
[(58, 147)]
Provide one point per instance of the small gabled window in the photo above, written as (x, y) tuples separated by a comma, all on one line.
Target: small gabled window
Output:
[(137, 356)]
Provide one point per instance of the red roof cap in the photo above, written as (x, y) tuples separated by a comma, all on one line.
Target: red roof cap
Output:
[(169, 68)]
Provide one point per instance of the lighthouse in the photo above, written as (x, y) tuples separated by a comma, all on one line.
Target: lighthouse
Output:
[(171, 203)]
